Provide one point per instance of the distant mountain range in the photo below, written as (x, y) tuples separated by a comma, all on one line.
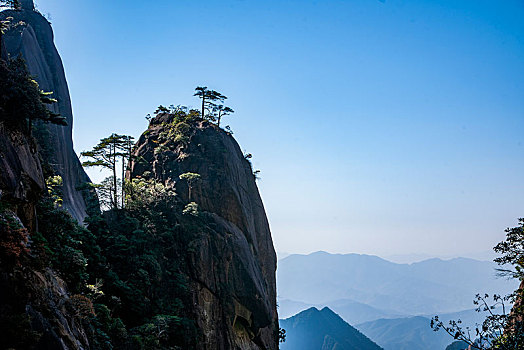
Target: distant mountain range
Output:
[(349, 283), (487, 255), (413, 333), (315, 329), (381, 298)]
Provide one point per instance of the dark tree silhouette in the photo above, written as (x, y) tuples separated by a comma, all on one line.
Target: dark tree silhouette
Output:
[(221, 111), (512, 250), (504, 330), (161, 109), (125, 146), (105, 155), (209, 98), (22, 100)]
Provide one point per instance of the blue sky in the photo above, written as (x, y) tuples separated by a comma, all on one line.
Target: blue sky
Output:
[(381, 127)]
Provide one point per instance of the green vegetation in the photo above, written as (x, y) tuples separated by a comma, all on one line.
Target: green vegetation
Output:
[(107, 154), (208, 97), (512, 250), (128, 268), (281, 335), (502, 331), (191, 209), (221, 111), (179, 129), (22, 101), (124, 270), (212, 102), (191, 179), (54, 189)]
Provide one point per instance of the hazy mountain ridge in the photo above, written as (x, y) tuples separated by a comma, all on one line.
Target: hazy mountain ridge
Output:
[(413, 333), (428, 287), (390, 303)]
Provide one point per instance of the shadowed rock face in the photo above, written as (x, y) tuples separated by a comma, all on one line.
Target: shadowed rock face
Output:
[(233, 269), (42, 295), (33, 39), (21, 178)]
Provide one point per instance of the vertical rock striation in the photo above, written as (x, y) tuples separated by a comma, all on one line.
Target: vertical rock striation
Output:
[(232, 269), (32, 37)]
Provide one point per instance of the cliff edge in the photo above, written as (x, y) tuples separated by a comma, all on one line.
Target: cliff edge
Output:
[(31, 36)]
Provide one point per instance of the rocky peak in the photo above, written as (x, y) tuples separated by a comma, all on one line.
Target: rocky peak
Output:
[(233, 269)]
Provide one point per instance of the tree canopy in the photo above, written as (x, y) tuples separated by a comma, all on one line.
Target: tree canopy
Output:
[(498, 331), (209, 98), (106, 155), (221, 111), (191, 179)]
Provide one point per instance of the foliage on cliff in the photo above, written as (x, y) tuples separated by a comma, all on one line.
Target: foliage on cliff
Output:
[(498, 331), (127, 264), (21, 100)]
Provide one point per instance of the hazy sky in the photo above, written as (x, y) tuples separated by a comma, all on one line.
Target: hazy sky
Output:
[(381, 127)]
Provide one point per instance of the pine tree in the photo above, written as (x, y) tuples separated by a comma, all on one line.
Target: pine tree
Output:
[(22, 100), (221, 111), (191, 179), (208, 97), (105, 155), (126, 152)]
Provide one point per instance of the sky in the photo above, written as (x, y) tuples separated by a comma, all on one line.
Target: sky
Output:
[(383, 127)]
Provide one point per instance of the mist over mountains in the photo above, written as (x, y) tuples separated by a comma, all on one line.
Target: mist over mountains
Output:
[(411, 333), (390, 303), (392, 290)]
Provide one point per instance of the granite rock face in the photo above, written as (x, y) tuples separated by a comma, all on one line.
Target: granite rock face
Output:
[(232, 269), (40, 295), (32, 37), (21, 177)]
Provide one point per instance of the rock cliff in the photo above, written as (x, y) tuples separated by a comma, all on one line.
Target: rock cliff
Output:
[(205, 279), (35, 305), (32, 37), (232, 269), (21, 177)]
